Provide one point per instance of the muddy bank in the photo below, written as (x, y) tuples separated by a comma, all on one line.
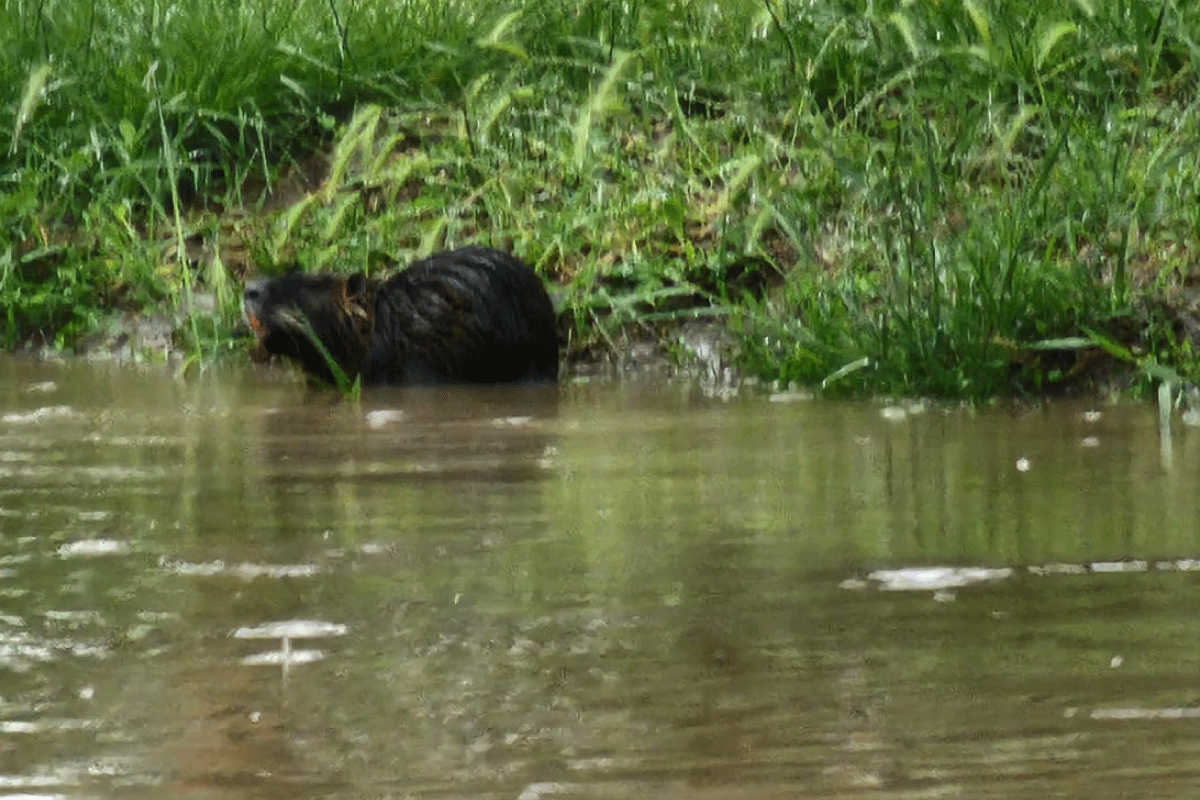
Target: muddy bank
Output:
[(701, 351), (697, 350)]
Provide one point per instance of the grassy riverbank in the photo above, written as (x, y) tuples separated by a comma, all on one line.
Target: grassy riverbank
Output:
[(957, 199)]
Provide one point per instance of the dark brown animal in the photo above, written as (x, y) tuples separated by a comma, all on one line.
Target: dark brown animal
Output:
[(473, 315)]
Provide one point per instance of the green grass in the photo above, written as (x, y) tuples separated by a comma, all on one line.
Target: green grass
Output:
[(940, 199)]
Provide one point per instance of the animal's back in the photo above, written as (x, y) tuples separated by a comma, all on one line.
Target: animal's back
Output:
[(473, 315)]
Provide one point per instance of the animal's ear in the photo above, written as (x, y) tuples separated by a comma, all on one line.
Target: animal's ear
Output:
[(356, 286)]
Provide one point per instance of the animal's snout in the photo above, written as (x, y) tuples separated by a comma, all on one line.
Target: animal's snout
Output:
[(253, 294)]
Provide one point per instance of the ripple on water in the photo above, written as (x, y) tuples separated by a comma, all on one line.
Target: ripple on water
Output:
[(20, 651), (292, 629), (635, 597), (43, 414), (285, 631), (59, 475), (245, 570)]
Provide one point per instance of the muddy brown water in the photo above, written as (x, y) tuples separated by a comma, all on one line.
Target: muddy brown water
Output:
[(219, 587)]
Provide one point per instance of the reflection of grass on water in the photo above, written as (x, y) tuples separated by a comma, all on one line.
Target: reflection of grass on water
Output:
[(906, 198)]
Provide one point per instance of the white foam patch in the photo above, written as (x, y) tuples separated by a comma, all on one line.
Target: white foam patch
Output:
[(384, 416), (279, 658), (1133, 713), (42, 725), (38, 415), (244, 571), (536, 791), (94, 547), (934, 579), (929, 579), (511, 422), (1119, 566), (292, 629), (790, 397)]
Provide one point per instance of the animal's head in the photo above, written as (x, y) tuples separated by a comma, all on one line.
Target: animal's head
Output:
[(312, 319)]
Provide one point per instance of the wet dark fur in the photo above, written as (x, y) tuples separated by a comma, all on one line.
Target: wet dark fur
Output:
[(464, 316)]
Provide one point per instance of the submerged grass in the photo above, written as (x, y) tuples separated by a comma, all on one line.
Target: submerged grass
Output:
[(958, 199)]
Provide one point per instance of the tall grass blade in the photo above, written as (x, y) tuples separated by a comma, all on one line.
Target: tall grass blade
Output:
[(1049, 39), (494, 39), (34, 90), (602, 101), (342, 383)]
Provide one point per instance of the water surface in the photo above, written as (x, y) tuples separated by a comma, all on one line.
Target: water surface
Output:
[(224, 587)]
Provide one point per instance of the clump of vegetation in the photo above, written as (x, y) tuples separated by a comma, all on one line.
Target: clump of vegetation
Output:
[(957, 199)]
